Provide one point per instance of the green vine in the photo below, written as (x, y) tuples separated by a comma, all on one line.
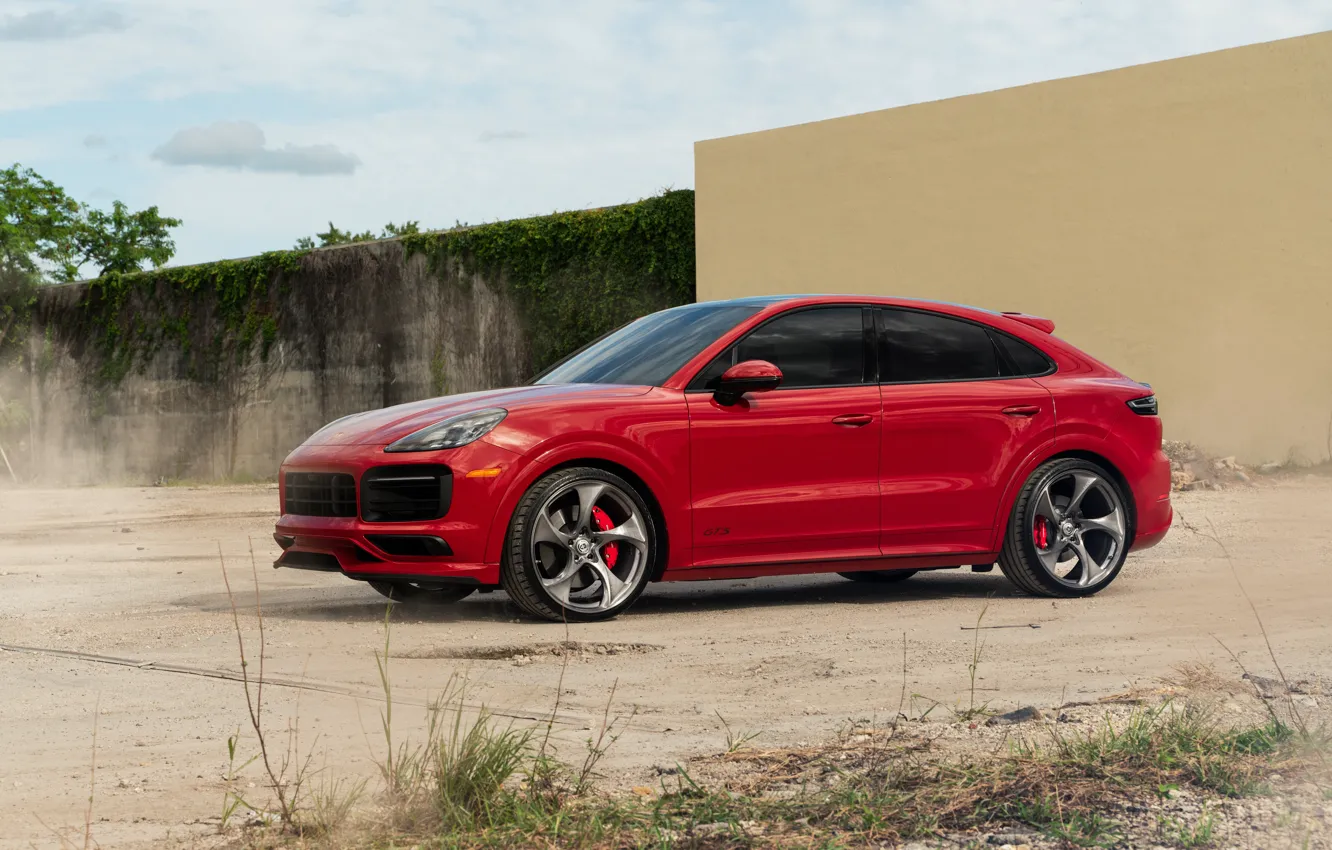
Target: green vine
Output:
[(573, 275), (132, 316), (577, 275)]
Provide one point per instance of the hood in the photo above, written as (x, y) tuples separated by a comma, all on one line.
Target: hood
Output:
[(383, 426)]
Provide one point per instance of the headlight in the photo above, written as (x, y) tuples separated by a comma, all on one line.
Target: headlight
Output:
[(452, 432)]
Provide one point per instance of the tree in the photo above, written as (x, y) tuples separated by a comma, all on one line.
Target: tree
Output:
[(121, 241), (334, 236), (47, 235), (38, 222)]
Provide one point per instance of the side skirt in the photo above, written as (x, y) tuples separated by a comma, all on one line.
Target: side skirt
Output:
[(788, 568)]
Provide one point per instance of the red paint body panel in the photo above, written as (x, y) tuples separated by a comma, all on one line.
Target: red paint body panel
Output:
[(949, 453), (914, 476), (774, 478)]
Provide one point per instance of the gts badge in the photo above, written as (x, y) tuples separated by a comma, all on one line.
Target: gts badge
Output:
[(719, 531)]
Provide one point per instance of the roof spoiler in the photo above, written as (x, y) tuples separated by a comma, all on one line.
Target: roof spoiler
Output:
[(1034, 321)]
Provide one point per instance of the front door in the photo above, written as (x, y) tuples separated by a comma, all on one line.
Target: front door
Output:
[(793, 474)]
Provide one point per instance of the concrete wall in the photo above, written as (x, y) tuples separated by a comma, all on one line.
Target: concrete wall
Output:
[(1174, 219), (362, 327)]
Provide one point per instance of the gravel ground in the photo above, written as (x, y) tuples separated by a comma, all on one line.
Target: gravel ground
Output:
[(133, 574)]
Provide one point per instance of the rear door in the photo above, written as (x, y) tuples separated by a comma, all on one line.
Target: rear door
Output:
[(793, 474), (957, 422)]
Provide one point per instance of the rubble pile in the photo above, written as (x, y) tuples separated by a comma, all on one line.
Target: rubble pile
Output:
[(1193, 469)]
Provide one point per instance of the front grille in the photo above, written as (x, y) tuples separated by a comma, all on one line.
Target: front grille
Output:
[(406, 493), (320, 494)]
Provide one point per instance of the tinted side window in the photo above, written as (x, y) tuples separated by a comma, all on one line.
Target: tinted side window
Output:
[(1025, 359), (916, 347), (813, 348)]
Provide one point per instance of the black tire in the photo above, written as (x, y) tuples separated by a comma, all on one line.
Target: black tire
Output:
[(407, 592), (1022, 562), (521, 575), (879, 576)]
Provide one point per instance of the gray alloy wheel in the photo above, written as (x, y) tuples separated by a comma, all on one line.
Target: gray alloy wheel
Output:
[(1069, 532), (581, 546), (406, 591), (879, 576)]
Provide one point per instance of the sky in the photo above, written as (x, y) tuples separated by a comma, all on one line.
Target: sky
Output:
[(257, 123)]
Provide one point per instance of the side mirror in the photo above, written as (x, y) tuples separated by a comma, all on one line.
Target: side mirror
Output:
[(751, 376)]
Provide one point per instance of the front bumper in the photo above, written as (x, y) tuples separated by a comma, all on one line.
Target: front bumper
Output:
[(346, 544)]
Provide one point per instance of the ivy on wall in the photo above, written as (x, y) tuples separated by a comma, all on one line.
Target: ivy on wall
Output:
[(574, 275), (128, 318), (577, 275)]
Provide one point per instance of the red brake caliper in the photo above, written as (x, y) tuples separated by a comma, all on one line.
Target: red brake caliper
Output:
[(603, 523), (1040, 532)]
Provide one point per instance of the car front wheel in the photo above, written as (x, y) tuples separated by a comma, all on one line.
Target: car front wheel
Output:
[(1069, 531), (581, 546)]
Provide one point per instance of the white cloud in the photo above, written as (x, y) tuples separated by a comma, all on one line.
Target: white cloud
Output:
[(240, 145)]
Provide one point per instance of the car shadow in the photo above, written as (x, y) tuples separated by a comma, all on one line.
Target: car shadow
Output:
[(356, 603)]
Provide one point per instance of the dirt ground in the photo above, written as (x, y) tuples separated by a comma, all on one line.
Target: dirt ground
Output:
[(133, 575)]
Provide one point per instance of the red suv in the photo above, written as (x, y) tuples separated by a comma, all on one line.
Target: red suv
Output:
[(871, 437)]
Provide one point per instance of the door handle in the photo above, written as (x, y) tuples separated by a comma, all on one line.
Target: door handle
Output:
[(855, 420), (1022, 410)]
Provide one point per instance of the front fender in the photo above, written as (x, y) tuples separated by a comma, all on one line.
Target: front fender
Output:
[(670, 495)]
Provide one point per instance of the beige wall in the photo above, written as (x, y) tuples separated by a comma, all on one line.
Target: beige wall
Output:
[(1174, 219)]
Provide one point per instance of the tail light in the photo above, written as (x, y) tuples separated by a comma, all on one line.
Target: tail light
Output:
[(1145, 406)]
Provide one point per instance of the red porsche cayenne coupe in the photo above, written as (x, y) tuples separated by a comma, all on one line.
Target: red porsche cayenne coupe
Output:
[(872, 437)]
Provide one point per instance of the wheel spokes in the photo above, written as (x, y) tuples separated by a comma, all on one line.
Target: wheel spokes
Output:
[(612, 588), (588, 494), (1111, 524), (1083, 482), (1090, 570), (630, 531), (569, 545), (1086, 493), (559, 585), (546, 531), (1045, 506)]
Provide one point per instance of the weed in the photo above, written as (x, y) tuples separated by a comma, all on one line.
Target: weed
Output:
[(608, 733), (972, 711), (1201, 834), (735, 741), (332, 802), (231, 798)]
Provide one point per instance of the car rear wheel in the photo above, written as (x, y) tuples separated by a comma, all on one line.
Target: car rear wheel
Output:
[(1069, 531), (406, 591), (879, 576), (581, 546)]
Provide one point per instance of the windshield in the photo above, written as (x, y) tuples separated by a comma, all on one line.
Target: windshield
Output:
[(651, 349)]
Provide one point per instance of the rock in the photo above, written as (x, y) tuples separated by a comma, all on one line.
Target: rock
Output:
[(1010, 838), (1270, 467), (1180, 478), (1026, 714), (1268, 688)]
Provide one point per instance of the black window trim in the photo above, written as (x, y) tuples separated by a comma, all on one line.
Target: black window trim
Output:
[(870, 367), (991, 332)]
